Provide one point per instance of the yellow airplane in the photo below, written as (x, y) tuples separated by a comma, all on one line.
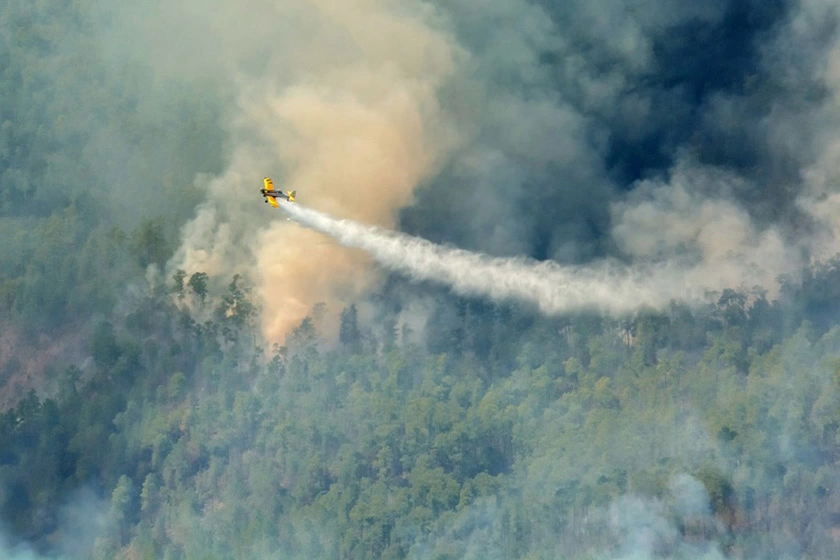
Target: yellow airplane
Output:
[(271, 196)]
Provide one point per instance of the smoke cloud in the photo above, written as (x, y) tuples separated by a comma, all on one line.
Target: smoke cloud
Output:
[(695, 143), (691, 218), (353, 127), (81, 520)]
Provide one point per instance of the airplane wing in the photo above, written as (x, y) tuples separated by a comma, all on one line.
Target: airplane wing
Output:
[(268, 187)]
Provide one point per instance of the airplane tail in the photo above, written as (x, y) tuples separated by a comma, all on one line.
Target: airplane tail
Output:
[(291, 195)]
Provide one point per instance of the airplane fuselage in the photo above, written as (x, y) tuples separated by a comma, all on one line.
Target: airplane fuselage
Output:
[(275, 194)]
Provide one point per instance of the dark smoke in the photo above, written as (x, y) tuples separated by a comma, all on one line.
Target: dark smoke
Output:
[(580, 101)]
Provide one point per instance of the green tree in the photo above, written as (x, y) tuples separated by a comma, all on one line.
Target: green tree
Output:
[(198, 285), (348, 333)]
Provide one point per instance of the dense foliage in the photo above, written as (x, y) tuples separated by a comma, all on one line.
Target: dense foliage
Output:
[(708, 430)]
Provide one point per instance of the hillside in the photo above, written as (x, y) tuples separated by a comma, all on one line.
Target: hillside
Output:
[(671, 435), (562, 280)]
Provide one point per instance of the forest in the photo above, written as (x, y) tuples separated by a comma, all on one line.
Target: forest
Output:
[(145, 414), (691, 433)]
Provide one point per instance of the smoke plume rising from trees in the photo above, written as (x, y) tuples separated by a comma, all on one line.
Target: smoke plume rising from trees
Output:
[(576, 134)]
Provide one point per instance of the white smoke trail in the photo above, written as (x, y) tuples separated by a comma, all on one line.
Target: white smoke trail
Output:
[(606, 287)]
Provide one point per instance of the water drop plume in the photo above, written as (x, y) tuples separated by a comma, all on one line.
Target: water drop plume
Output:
[(607, 286)]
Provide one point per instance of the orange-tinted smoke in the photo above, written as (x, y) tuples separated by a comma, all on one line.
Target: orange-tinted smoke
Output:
[(353, 128), (356, 155)]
